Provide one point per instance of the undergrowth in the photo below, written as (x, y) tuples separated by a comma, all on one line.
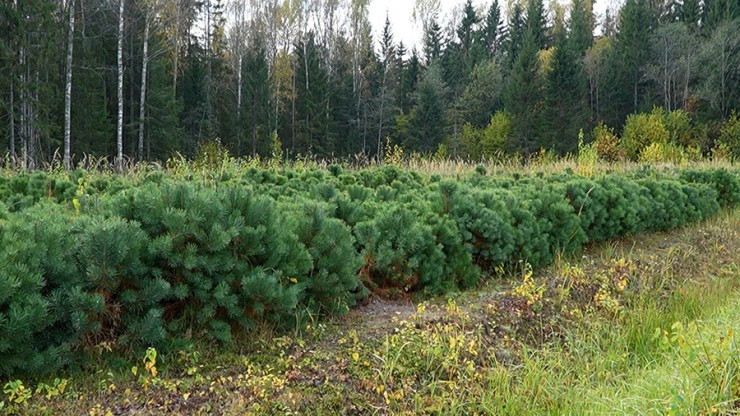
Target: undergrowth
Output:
[(633, 326)]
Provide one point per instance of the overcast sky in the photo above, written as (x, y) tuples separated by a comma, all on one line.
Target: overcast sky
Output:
[(404, 28)]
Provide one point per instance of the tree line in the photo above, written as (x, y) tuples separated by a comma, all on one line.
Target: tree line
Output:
[(143, 79)]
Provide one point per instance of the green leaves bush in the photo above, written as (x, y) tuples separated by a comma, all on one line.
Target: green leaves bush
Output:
[(142, 261)]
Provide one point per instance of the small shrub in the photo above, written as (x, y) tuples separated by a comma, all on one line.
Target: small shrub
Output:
[(641, 130), (729, 139), (606, 143), (662, 152)]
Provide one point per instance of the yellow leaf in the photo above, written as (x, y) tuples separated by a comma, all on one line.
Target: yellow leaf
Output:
[(355, 356)]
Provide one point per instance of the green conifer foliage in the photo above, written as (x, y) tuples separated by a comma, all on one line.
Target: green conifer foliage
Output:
[(137, 263), (536, 22), (227, 254), (522, 95), (427, 116), (484, 221), (46, 306), (516, 31), (565, 96), (399, 251), (492, 31), (111, 254), (332, 283)]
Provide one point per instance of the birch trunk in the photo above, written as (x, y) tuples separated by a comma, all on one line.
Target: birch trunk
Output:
[(68, 88), (119, 126), (23, 107), (177, 50), (142, 100), (239, 108), (12, 106), (33, 132), (12, 119), (382, 107)]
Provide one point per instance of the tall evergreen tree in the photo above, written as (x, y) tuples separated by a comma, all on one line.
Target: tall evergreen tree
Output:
[(492, 30), (516, 29), (521, 98), (314, 117), (93, 129), (388, 78), (256, 102), (633, 40), (427, 121), (580, 25), (466, 35), (565, 109), (536, 22), (164, 132), (432, 42), (192, 90), (409, 81)]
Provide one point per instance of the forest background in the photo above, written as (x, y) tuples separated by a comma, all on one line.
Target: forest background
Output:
[(146, 79)]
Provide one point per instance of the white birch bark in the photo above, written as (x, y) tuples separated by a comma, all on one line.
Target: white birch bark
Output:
[(239, 106), (68, 88), (23, 133), (119, 126), (142, 100), (12, 107), (12, 119)]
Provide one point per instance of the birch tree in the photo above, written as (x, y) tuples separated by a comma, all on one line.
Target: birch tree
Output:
[(119, 55), (142, 98), (722, 64), (68, 87)]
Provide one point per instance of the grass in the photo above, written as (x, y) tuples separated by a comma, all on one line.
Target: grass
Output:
[(214, 160), (637, 326)]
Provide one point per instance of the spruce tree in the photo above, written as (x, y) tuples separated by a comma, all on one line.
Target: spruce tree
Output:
[(432, 42), (92, 128), (522, 95), (388, 85), (580, 27), (516, 31), (409, 81), (635, 25), (491, 33), (314, 128), (466, 35), (164, 132), (427, 119), (537, 23), (192, 89), (256, 103), (565, 109)]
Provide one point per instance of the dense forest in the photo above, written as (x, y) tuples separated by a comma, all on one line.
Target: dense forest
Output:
[(143, 79)]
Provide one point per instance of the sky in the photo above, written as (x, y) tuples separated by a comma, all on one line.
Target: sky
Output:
[(404, 29)]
